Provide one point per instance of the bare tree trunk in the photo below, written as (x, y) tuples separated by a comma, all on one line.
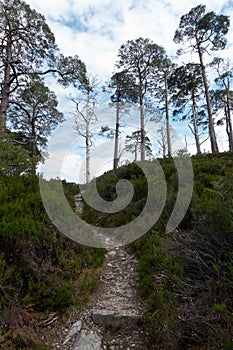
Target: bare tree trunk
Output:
[(85, 117), (164, 150), (5, 88), (135, 153), (88, 151), (186, 143), (116, 156), (195, 125), (162, 142), (229, 128), (213, 140), (169, 147)]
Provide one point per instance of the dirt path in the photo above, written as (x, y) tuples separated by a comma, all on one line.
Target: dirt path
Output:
[(117, 292), (114, 317)]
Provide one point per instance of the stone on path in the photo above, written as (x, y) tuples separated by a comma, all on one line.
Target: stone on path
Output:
[(88, 341), (76, 328), (115, 319), (112, 253)]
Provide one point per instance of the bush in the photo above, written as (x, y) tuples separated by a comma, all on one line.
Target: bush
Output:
[(40, 269), (14, 159), (185, 277)]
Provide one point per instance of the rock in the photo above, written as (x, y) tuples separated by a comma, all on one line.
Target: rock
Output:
[(78, 197), (76, 327), (112, 253), (88, 341), (115, 319)]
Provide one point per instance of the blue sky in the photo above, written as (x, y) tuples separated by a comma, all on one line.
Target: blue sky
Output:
[(95, 29)]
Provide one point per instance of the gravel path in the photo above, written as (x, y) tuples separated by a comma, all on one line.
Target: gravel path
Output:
[(116, 295), (117, 292)]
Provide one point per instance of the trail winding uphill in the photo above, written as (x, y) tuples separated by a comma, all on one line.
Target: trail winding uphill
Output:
[(113, 319), (115, 315)]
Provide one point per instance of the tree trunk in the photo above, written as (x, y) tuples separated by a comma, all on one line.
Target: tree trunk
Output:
[(116, 156), (169, 147), (229, 123), (142, 119), (135, 153), (5, 88), (34, 145), (164, 150), (195, 125), (213, 140), (34, 153), (88, 150)]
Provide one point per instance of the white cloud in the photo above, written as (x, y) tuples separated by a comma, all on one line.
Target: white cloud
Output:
[(95, 29), (51, 8)]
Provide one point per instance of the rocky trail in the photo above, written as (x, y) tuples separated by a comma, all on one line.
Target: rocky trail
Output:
[(114, 317)]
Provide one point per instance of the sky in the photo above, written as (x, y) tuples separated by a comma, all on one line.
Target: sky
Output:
[(94, 30)]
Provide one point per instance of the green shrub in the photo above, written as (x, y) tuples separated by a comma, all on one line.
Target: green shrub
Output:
[(185, 277), (39, 267), (14, 159)]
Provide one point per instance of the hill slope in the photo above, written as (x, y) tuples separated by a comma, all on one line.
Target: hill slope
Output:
[(186, 277), (41, 271)]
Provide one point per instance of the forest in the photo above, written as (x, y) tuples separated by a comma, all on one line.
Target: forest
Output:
[(185, 276), (197, 93)]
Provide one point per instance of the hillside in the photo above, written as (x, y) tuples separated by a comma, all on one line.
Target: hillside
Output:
[(42, 273), (185, 277)]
